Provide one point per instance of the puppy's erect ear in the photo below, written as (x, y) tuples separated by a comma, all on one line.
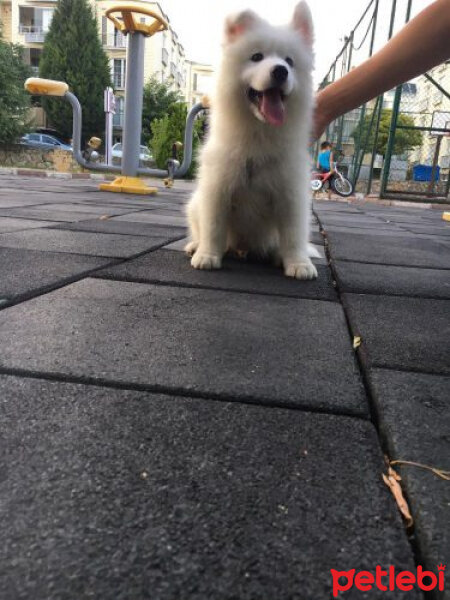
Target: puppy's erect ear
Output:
[(237, 24), (302, 22)]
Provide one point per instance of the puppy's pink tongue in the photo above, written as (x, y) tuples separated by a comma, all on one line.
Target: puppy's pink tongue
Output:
[(272, 107)]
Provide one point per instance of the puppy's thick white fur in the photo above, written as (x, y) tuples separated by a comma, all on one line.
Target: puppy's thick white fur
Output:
[(253, 190)]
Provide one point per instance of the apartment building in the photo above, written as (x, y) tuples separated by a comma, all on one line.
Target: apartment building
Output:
[(433, 109), (26, 22), (199, 81)]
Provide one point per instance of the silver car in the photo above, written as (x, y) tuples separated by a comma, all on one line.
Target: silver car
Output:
[(144, 154), (43, 142)]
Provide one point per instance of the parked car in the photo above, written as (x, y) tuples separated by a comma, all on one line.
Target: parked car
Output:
[(144, 154), (43, 142)]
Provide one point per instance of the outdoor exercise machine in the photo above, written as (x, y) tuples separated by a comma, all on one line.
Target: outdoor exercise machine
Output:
[(124, 18)]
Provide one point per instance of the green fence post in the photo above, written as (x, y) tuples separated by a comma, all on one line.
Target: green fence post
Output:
[(395, 111)]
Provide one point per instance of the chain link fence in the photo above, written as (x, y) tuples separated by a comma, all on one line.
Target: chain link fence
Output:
[(396, 145)]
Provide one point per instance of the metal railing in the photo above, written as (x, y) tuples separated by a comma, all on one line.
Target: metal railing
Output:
[(33, 34)]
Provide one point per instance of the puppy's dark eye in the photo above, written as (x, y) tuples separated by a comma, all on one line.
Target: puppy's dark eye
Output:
[(289, 61), (257, 57)]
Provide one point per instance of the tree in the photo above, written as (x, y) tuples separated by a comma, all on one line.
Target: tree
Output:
[(73, 53), (405, 139), (158, 97), (14, 100), (170, 129)]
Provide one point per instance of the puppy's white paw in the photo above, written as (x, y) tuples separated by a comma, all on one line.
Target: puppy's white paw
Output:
[(191, 248), (301, 269), (206, 261)]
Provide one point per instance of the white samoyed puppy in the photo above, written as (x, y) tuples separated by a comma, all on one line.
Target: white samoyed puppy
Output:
[(253, 193)]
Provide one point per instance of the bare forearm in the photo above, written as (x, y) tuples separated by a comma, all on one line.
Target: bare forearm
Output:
[(423, 43)]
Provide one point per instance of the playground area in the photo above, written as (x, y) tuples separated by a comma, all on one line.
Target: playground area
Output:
[(176, 433), (172, 433)]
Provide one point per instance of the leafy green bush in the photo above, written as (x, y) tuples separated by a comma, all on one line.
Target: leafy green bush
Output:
[(170, 129), (14, 100)]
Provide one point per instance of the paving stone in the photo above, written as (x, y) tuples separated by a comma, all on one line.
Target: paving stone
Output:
[(401, 333), (350, 220), (150, 216), (414, 419), (389, 250), (8, 201), (341, 207), (8, 224), (443, 230), (116, 494), (26, 272), (405, 219), (100, 209), (392, 280), (123, 227), (44, 214), (80, 242), (370, 231), (263, 348), (170, 266)]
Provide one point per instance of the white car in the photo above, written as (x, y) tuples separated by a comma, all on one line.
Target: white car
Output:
[(144, 154)]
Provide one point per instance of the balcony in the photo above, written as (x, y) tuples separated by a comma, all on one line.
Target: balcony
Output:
[(164, 57), (114, 41), (33, 34)]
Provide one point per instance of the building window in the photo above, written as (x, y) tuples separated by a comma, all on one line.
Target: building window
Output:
[(195, 82), (118, 116), (119, 69), (34, 20)]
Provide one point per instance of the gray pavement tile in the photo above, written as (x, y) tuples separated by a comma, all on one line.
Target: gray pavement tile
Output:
[(8, 201), (405, 219), (123, 227), (392, 280), (400, 332), (431, 229), (180, 245), (80, 242), (341, 207), (173, 267), (151, 216), (116, 494), (362, 222), (414, 419), (8, 224), (44, 214), (388, 250), (370, 231), (262, 348), (26, 272), (100, 209)]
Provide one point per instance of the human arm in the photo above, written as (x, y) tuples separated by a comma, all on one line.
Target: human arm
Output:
[(422, 44)]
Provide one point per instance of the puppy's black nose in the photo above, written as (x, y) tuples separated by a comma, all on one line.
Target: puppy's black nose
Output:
[(279, 74)]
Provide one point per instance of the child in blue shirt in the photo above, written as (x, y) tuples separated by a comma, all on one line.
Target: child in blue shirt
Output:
[(325, 162)]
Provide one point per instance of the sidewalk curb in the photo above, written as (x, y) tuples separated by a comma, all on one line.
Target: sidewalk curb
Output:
[(19, 171), (376, 200)]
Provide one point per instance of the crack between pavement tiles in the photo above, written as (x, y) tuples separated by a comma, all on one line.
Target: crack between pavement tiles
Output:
[(414, 544), (42, 291), (177, 392)]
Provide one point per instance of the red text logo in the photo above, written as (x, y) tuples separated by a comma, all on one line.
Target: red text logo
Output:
[(387, 580)]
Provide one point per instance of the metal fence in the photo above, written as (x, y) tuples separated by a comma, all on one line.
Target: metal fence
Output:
[(396, 145)]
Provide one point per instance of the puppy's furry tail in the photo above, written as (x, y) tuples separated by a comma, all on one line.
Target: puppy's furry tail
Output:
[(313, 252)]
